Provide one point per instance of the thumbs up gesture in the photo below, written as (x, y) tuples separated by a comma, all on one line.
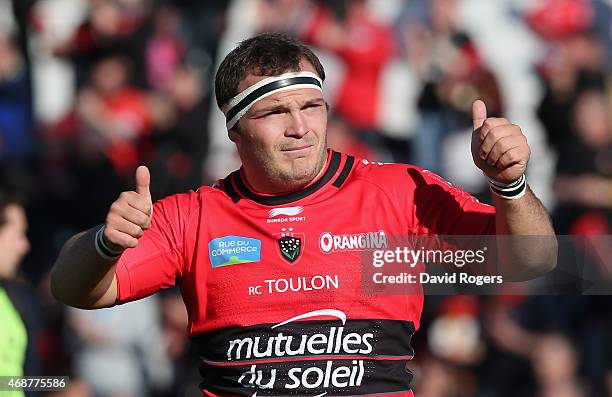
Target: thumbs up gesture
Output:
[(499, 148), (130, 214)]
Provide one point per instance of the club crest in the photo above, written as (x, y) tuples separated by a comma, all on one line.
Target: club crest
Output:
[(290, 245)]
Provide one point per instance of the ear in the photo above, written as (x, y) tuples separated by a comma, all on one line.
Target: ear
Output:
[(234, 135)]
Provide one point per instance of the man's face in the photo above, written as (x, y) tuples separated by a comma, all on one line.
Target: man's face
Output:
[(13, 241), (282, 138)]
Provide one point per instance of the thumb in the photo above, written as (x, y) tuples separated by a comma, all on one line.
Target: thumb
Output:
[(479, 113), (143, 180)]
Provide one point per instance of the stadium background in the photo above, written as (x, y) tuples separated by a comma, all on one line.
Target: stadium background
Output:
[(89, 89)]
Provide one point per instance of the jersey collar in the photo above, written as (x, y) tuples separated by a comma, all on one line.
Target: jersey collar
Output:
[(237, 188)]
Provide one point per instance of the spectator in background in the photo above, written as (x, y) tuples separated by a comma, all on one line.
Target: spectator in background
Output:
[(181, 140), (113, 26), (575, 113), (18, 309), (554, 361), (165, 49), (365, 45), (446, 380), (584, 167), (555, 364), (15, 111), (117, 112), (453, 347), (577, 64), (201, 27), (122, 353), (574, 58), (583, 184), (185, 358), (448, 63), (290, 16), (341, 137)]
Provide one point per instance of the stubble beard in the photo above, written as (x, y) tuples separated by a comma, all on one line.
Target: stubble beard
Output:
[(284, 179)]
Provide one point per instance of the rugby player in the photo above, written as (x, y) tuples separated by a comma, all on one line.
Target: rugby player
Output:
[(268, 259)]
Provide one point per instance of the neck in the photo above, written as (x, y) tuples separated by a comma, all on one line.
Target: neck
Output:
[(264, 183)]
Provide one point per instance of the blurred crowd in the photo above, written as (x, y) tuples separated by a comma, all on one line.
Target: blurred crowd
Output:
[(91, 89)]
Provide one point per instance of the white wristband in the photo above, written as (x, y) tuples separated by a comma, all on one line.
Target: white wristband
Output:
[(509, 191)]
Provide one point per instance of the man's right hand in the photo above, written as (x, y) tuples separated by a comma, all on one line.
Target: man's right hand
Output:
[(130, 214)]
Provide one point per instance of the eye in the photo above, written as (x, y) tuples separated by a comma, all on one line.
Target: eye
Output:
[(312, 106), (272, 113)]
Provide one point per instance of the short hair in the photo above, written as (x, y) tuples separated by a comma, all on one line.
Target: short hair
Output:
[(7, 199), (267, 54)]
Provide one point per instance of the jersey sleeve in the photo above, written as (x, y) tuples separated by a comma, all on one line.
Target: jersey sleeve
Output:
[(159, 258), (443, 209)]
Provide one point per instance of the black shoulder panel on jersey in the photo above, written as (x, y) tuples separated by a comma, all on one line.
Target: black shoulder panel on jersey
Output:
[(346, 170), (291, 197), (229, 189)]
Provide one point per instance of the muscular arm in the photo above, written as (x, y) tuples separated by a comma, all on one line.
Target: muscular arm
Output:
[(501, 151), (534, 249), (80, 277)]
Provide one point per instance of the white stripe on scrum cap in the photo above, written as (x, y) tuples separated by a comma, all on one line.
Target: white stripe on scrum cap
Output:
[(238, 98)]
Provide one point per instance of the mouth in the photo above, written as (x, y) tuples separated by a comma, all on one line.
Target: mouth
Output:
[(297, 149)]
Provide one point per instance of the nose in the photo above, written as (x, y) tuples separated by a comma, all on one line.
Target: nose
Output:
[(297, 127), (24, 245)]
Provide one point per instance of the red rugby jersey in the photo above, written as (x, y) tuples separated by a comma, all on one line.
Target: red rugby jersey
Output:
[(272, 284)]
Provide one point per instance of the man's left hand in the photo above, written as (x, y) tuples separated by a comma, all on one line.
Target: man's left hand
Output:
[(499, 147)]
